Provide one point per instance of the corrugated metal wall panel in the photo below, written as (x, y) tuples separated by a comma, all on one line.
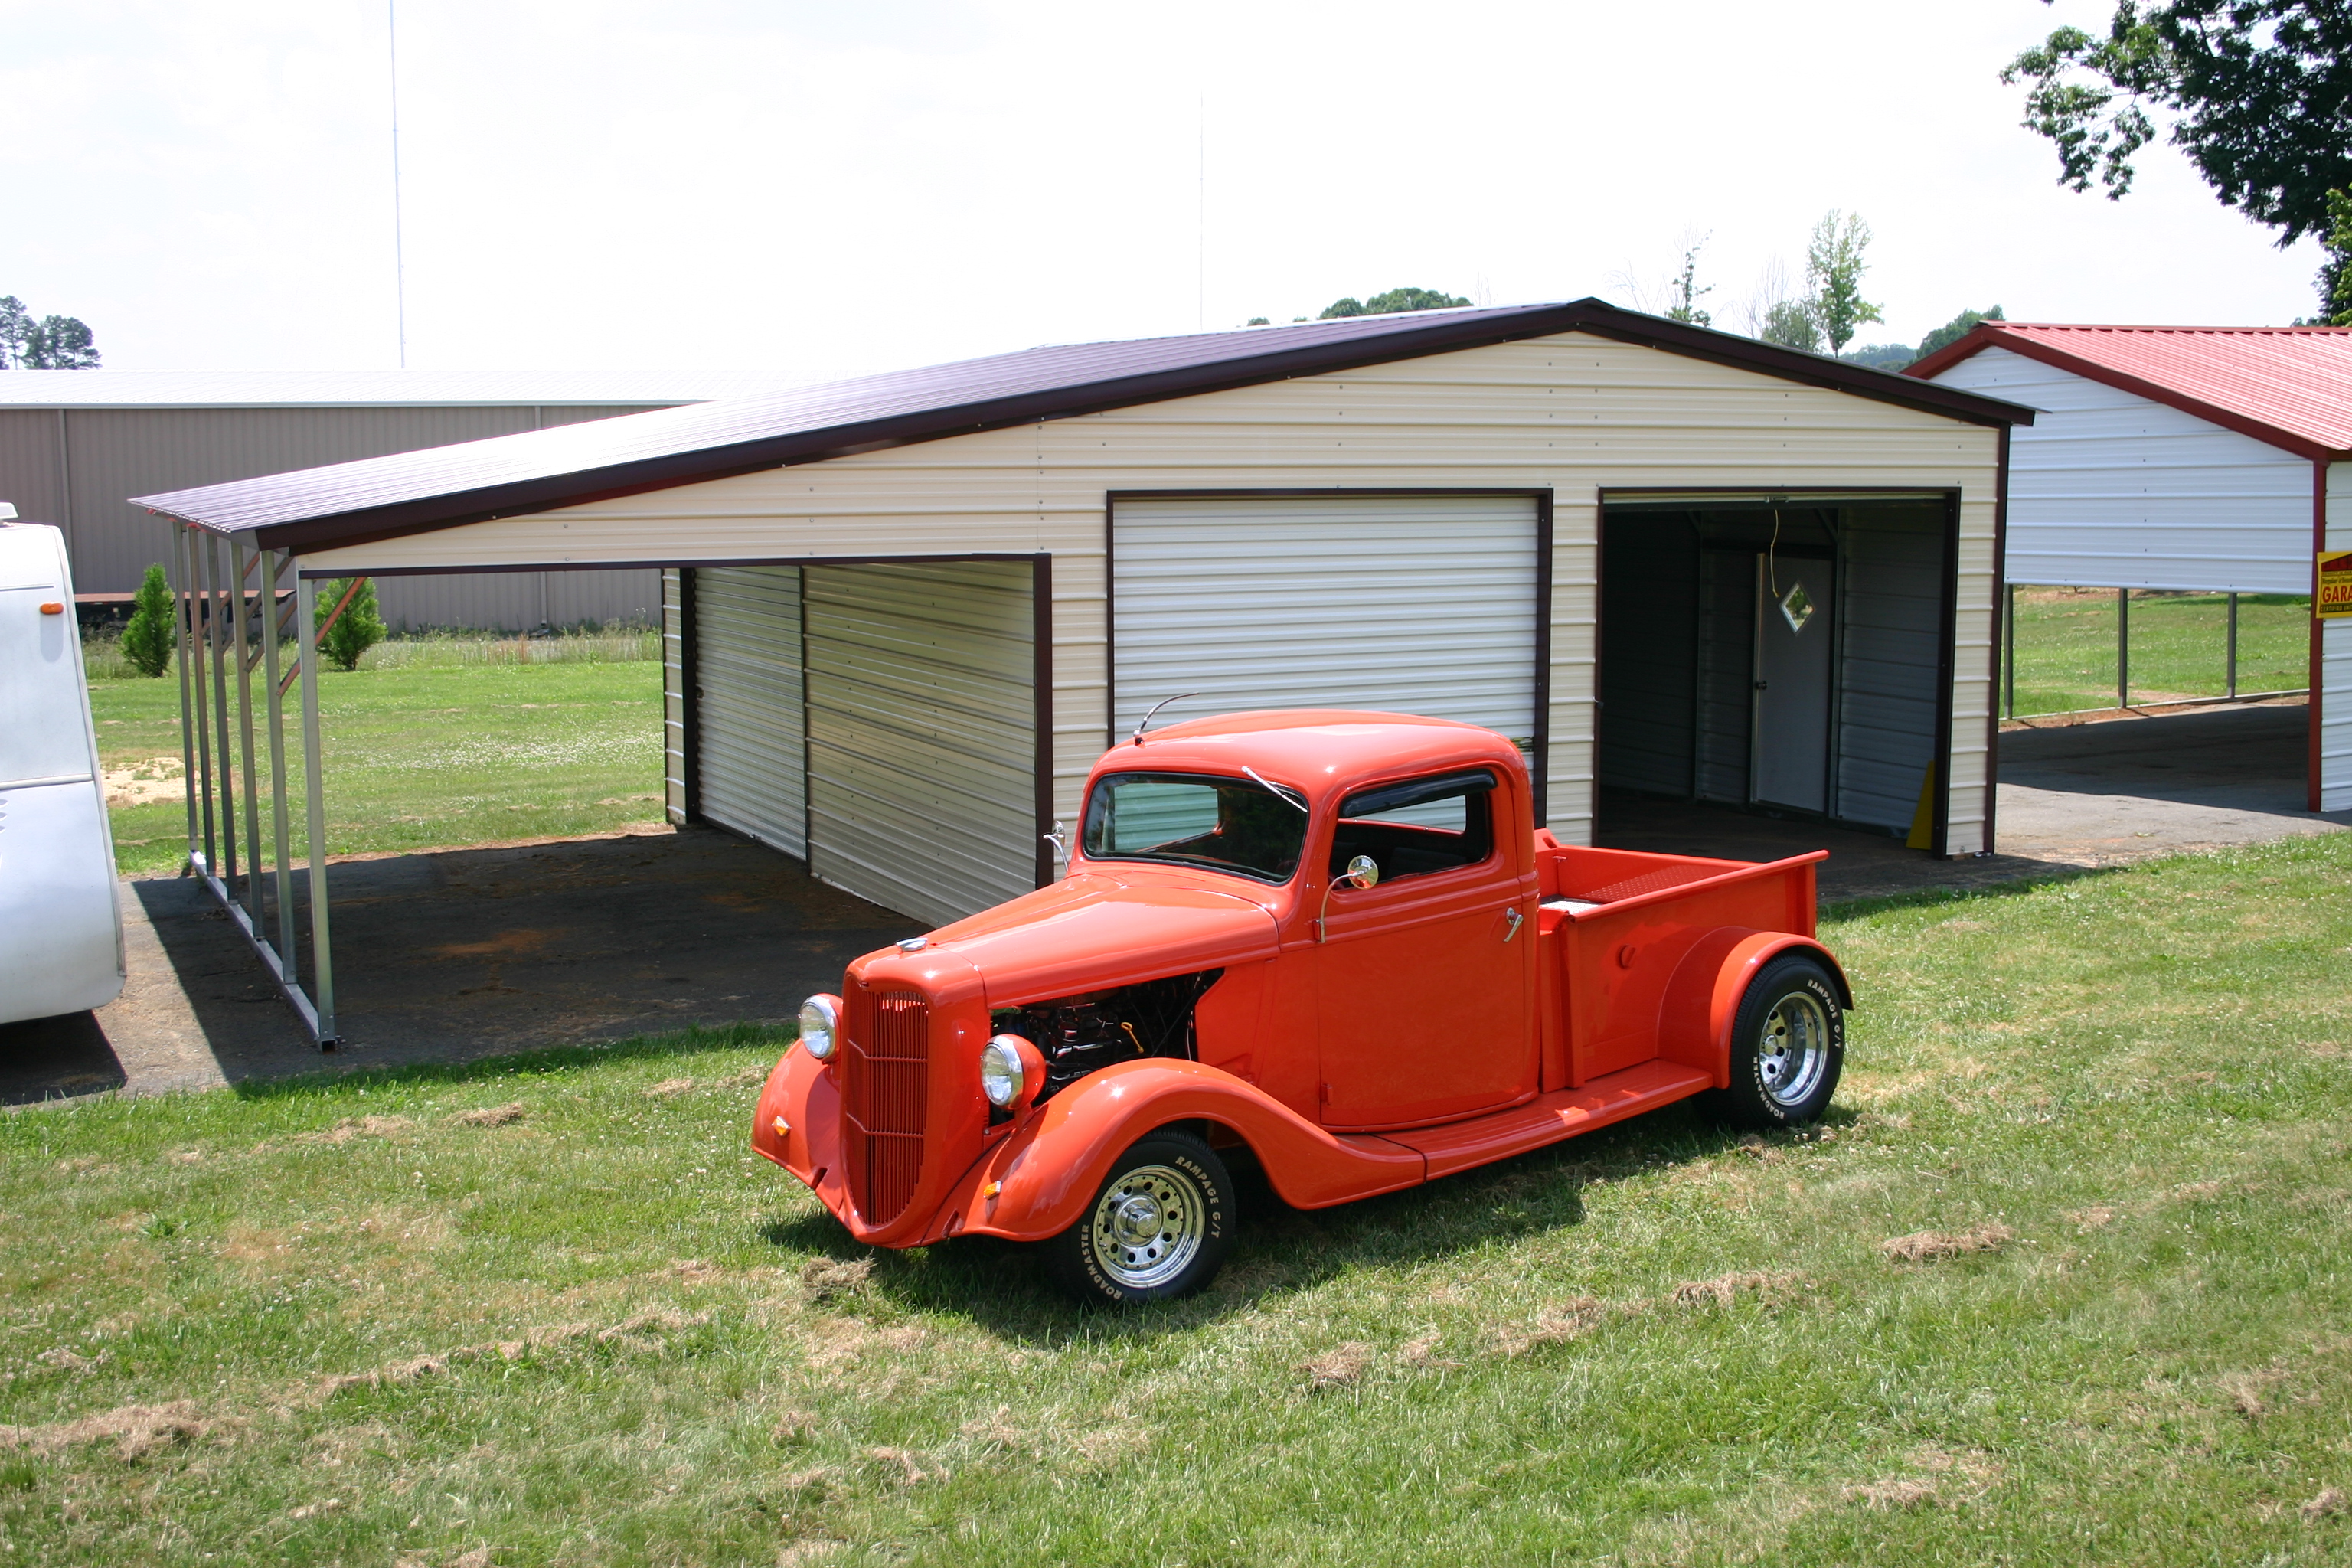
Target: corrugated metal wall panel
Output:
[(674, 760), (1727, 665), (1649, 656), (1891, 660), (2331, 682), (31, 470), (751, 753), (1402, 604), (923, 734), (1496, 417), (2110, 489)]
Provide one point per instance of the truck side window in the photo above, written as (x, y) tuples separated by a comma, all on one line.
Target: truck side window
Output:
[(1424, 824)]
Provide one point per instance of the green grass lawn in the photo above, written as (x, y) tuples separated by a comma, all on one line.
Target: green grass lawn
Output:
[(423, 750), (2066, 647), (381, 1319)]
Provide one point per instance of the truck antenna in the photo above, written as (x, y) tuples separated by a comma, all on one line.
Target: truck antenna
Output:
[(1137, 738)]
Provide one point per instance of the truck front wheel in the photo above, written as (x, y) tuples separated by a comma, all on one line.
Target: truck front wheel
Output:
[(1159, 1226), (1788, 1047)]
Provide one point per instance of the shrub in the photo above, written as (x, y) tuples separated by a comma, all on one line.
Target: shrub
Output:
[(356, 630), (147, 640)]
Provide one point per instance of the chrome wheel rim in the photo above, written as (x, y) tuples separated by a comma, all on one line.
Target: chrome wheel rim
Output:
[(1148, 1227), (1795, 1049)]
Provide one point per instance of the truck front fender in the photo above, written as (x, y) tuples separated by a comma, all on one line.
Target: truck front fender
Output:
[(1702, 1000), (1036, 1180)]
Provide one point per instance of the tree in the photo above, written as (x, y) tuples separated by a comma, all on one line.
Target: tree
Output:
[(147, 640), (53, 342), (1956, 329), (2335, 273), (16, 325), (2258, 93), (1686, 291), (60, 342), (1791, 324), (1391, 302), (1882, 356), (1833, 270), (356, 630)]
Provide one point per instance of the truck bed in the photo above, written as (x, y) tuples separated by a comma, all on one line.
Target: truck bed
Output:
[(1616, 926)]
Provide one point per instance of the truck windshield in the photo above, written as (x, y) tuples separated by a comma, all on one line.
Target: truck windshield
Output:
[(1195, 819)]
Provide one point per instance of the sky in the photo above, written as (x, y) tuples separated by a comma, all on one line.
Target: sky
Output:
[(815, 189)]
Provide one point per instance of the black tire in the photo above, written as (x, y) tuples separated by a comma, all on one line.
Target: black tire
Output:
[(1788, 1047), (1159, 1227)]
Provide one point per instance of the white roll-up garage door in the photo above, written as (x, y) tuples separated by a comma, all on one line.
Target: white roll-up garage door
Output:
[(1402, 604), (751, 759), (922, 733)]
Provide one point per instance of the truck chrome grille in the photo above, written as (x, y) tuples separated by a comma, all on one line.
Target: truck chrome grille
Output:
[(886, 1073)]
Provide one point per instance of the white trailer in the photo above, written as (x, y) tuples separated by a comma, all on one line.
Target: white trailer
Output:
[(60, 927)]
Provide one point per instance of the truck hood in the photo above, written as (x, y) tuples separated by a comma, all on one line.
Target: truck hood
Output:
[(1093, 932)]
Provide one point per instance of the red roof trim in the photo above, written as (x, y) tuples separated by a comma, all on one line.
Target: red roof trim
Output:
[(1999, 334)]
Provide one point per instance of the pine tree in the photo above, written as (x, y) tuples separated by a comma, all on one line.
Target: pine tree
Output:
[(147, 640), (356, 630)]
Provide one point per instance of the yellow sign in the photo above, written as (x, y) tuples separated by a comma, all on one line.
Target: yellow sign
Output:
[(2333, 598)]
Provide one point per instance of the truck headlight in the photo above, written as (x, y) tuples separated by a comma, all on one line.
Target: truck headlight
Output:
[(1002, 1072), (821, 1026)]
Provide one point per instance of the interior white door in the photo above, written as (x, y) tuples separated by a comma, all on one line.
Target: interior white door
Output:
[(1790, 737)]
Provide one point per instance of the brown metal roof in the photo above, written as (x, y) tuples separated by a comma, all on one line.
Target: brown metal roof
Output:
[(445, 487), (2290, 386)]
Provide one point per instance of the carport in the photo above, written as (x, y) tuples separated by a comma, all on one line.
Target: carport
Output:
[(905, 614), (2214, 460)]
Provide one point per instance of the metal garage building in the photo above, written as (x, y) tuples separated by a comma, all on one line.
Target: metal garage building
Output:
[(73, 443), (907, 612), (2206, 458)]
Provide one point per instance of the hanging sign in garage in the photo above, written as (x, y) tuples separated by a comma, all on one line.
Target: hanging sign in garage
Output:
[(2332, 595)]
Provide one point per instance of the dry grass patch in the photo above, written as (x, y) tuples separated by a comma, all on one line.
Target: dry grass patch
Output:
[(1342, 1367), (135, 1430), (828, 1280), (2328, 1504), (669, 1087), (1554, 1325), (1932, 1246), (490, 1115), (1726, 1289)]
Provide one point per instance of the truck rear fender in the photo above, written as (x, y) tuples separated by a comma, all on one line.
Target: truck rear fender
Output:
[(1046, 1171), (1696, 1016)]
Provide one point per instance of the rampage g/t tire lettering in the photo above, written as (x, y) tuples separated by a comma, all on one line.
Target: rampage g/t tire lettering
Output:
[(1788, 1047), (1159, 1226)]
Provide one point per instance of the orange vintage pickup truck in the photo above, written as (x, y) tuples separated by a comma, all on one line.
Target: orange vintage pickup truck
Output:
[(1334, 941)]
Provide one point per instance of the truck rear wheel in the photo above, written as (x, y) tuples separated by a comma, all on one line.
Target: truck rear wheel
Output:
[(1788, 1047), (1159, 1227)]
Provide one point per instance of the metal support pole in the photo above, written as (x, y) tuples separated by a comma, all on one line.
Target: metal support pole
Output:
[(199, 637), (2234, 648), (2008, 654), (322, 960), (184, 638), (2123, 648), (240, 561), (272, 563), (217, 645)]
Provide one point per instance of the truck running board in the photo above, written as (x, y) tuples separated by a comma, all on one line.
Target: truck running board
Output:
[(1550, 1118)]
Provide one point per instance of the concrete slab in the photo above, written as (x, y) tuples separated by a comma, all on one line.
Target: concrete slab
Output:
[(2126, 788), (464, 953), (471, 952), (2073, 794)]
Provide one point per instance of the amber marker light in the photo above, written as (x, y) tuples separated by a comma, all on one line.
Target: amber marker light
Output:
[(53, 608), (783, 1126)]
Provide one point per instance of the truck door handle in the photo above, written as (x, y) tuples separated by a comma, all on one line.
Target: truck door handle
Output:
[(1515, 919)]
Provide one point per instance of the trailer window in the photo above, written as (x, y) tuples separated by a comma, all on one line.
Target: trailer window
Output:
[(1421, 826), (1195, 819)]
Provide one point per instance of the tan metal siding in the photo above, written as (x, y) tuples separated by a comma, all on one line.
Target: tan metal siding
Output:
[(1573, 414), (751, 732)]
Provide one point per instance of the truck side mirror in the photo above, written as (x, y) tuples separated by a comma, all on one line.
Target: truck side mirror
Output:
[(1363, 872)]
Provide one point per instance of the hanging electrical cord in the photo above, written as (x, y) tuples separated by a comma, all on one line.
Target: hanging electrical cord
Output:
[(1772, 562)]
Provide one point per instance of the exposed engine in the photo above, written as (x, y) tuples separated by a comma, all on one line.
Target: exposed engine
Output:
[(1079, 1035)]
